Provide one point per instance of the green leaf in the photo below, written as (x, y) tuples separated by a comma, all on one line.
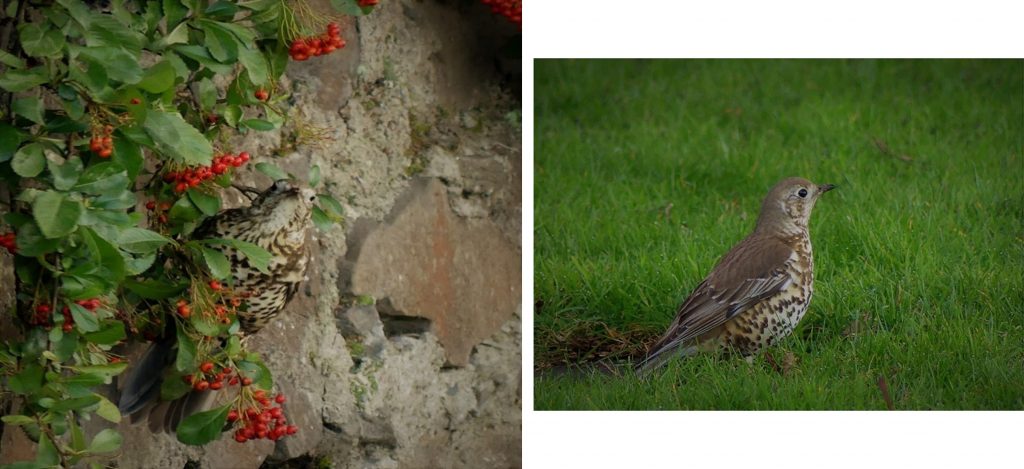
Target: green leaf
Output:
[(258, 371), (350, 7), (219, 266), (141, 241), (206, 203), (103, 178), (184, 211), (111, 333), (29, 160), (178, 35), (118, 63), (186, 359), (255, 65), (85, 320), (154, 289), (17, 81), (29, 107), (329, 203), (223, 9), (108, 257), (257, 124), (177, 139), (158, 78), (207, 94), (128, 154), (204, 427), (28, 381), (138, 265), (272, 171), (314, 176), (174, 11), (108, 411), (55, 214), (232, 114), (105, 441), (76, 403), (46, 453), (31, 241), (11, 60), (223, 45), (321, 220), (10, 139), (18, 419), (38, 40), (107, 31), (65, 175), (258, 257), (174, 388), (108, 369)]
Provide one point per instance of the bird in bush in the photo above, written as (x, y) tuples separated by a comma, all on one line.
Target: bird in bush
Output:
[(758, 292), (277, 220)]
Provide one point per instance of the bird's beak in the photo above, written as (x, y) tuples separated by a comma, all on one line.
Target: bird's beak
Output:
[(826, 187)]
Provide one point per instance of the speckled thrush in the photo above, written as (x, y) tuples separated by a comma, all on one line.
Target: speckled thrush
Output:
[(758, 291)]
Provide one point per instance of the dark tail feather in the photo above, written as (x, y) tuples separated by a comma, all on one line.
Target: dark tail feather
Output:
[(662, 356), (143, 383)]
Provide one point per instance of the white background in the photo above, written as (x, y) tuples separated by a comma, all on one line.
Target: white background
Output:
[(770, 28)]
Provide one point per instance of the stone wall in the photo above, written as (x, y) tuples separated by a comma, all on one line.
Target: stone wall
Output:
[(404, 347)]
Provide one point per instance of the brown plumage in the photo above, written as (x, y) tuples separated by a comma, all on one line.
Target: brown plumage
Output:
[(758, 291), (277, 221)]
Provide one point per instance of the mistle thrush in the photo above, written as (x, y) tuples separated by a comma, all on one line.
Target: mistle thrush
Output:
[(758, 291), (277, 220)]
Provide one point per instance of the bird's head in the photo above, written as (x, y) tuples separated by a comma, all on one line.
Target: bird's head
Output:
[(284, 205), (787, 208)]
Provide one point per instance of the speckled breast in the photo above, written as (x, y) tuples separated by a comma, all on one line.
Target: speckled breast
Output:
[(775, 317)]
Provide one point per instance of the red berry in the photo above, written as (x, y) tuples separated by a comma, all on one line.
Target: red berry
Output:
[(201, 385), (239, 437), (246, 381), (215, 285), (170, 176), (233, 381), (232, 415), (180, 187), (187, 378), (243, 158), (292, 429), (184, 311), (261, 94), (220, 168), (150, 205), (162, 218), (135, 101), (216, 385), (43, 309), (67, 327), (105, 153), (206, 367), (279, 399), (212, 118)]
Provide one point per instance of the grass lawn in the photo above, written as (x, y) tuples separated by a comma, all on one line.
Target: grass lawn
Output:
[(646, 172)]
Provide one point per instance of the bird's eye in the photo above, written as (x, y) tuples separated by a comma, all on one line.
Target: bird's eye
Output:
[(312, 198), (802, 193)]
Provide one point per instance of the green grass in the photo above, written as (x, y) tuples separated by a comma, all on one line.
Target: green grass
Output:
[(648, 171)]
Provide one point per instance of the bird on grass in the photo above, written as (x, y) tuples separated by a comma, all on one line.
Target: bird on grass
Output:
[(758, 291), (277, 220)]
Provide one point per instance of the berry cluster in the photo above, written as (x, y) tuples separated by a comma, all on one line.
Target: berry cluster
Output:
[(305, 47), (41, 317), (262, 421), (9, 241), (511, 9), (192, 177), (222, 312), (101, 143), (206, 379), (160, 210)]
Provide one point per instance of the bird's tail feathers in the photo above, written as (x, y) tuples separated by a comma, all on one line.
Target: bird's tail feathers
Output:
[(662, 356), (143, 382)]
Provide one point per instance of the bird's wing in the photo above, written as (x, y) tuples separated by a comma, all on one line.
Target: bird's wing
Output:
[(753, 270)]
